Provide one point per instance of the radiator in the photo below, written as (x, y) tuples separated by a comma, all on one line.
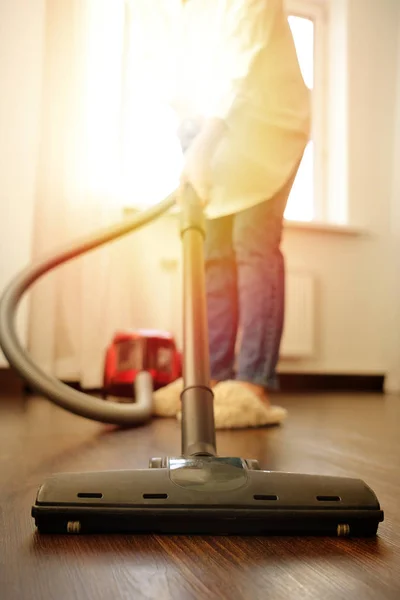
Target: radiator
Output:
[(298, 339)]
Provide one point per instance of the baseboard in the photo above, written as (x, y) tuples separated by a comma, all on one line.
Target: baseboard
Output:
[(10, 382), (317, 382), (305, 382), (73, 384)]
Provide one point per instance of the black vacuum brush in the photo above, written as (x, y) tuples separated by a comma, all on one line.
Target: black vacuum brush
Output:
[(206, 494), (197, 492)]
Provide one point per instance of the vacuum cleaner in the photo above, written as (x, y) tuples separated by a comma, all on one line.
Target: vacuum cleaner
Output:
[(197, 492), (134, 351)]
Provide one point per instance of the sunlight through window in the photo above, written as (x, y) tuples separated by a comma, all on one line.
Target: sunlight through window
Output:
[(300, 206)]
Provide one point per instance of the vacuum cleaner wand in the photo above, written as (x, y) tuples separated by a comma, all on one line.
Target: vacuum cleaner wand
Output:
[(198, 428)]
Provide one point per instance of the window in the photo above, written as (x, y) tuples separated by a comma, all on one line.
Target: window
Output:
[(307, 198), (143, 136), (301, 204)]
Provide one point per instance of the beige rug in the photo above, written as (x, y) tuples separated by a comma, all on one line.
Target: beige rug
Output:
[(235, 406)]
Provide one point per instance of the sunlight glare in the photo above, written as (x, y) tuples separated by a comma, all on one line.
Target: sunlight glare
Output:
[(300, 205), (136, 159), (152, 155)]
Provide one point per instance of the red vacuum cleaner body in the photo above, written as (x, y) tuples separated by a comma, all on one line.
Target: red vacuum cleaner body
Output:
[(133, 351)]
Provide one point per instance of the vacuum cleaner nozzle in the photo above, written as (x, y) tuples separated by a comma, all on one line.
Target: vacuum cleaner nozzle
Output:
[(202, 495)]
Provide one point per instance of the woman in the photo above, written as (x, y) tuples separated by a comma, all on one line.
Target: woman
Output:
[(245, 117)]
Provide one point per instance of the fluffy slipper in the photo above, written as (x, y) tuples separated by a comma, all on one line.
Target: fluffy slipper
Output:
[(236, 407), (167, 400)]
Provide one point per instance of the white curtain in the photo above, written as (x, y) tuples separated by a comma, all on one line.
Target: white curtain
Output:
[(76, 309)]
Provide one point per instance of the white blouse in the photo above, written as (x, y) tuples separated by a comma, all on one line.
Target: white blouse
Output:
[(235, 60)]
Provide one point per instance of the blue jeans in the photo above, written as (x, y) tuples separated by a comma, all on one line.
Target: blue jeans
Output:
[(245, 289), (245, 286)]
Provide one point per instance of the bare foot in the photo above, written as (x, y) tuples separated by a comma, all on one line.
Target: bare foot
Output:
[(259, 390)]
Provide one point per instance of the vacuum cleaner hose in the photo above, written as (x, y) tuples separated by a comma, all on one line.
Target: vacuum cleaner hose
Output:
[(61, 394)]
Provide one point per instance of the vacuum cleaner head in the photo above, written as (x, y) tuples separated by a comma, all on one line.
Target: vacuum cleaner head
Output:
[(202, 495)]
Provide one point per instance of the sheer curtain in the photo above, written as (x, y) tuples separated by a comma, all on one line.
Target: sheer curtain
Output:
[(76, 309)]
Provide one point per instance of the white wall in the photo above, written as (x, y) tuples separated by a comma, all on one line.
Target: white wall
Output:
[(393, 378), (353, 273), (21, 56)]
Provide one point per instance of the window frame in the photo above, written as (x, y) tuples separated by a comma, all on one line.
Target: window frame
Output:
[(316, 11)]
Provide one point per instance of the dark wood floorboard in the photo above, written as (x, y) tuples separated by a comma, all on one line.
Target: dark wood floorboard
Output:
[(350, 435)]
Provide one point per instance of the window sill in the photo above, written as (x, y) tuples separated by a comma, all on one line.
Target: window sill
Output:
[(320, 227), (289, 224)]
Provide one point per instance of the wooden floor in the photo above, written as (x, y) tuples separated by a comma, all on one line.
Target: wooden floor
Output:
[(351, 435)]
